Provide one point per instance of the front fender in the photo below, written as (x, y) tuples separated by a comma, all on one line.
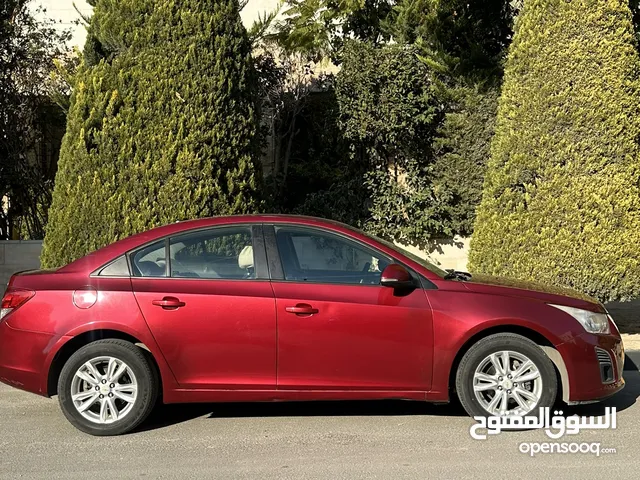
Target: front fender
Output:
[(462, 317)]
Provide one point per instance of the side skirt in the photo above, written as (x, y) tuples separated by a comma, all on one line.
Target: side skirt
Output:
[(212, 396)]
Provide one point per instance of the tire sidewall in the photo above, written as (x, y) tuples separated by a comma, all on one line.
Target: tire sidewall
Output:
[(478, 352), (125, 352)]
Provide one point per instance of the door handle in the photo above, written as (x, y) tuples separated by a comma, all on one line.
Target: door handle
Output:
[(302, 309), (168, 303)]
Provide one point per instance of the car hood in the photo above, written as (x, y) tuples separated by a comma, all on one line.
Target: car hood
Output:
[(528, 289)]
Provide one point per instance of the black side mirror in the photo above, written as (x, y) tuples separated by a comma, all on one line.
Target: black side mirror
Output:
[(396, 276)]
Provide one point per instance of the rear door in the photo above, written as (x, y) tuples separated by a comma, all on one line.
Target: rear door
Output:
[(338, 328), (207, 299)]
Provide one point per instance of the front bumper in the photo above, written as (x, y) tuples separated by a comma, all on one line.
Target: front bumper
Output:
[(590, 378)]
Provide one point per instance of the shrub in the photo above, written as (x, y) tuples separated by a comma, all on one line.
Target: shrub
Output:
[(389, 112), (462, 149), (320, 179), (466, 38), (561, 200), (307, 160), (161, 127)]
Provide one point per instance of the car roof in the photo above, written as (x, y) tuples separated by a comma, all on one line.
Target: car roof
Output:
[(110, 252)]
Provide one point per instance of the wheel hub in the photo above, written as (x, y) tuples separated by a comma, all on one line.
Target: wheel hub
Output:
[(508, 384)]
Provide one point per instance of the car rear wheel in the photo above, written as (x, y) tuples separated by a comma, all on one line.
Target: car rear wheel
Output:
[(107, 387), (506, 374)]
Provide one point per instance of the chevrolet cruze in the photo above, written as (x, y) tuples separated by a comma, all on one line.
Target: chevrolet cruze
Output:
[(264, 308)]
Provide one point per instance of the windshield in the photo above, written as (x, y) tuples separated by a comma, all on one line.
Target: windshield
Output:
[(421, 261)]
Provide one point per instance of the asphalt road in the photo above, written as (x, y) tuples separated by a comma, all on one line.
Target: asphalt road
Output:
[(386, 440)]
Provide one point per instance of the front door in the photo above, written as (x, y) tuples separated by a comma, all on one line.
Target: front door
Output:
[(338, 328), (207, 300)]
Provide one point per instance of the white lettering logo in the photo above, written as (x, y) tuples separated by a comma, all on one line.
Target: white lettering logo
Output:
[(555, 427)]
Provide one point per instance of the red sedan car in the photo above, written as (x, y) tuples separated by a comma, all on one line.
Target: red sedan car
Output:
[(261, 308)]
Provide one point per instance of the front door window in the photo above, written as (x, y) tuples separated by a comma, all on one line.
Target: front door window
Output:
[(317, 257)]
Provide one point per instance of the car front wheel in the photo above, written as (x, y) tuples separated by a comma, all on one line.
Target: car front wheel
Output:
[(107, 387), (506, 374)]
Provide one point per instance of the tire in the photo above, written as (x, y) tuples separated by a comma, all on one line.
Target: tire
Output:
[(491, 381), (126, 406)]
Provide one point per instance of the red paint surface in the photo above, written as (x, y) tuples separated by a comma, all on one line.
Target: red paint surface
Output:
[(245, 340)]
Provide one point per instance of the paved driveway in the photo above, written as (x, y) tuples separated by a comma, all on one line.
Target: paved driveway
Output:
[(386, 440)]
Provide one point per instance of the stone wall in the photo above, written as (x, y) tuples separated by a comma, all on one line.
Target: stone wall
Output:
[(16, 256)]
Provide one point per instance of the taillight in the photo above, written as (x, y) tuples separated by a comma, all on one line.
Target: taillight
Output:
[(13, 299)]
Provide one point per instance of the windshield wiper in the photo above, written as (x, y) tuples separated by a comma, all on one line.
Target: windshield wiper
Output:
[(455, 275)]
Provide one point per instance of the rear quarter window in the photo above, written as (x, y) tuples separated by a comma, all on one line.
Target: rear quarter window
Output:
[(117, 268)]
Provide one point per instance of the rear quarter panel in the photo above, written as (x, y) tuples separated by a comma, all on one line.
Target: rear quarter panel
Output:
[(52, 311)]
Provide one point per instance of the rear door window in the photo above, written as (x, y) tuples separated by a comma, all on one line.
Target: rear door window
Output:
[(225, 253), (150, 261)]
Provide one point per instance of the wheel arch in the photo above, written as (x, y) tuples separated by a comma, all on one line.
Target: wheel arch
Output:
[(85, 338), (543, 342)]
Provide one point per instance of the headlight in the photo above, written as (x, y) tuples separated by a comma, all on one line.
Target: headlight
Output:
[(591, 321)]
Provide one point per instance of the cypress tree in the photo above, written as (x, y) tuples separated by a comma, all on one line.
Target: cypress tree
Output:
[(162, 125), (561, 199)]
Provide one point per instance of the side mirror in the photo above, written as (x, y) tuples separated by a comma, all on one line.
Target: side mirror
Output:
[(396, 276)]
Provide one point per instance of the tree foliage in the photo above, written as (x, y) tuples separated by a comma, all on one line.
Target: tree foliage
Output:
[(29, 120), (287, 82), (634, 5), (462, 151), (460, 47), (323, 181), (317, 28), (464, 44), (162, 124), (460, 36), (561, 201), (389, 111)]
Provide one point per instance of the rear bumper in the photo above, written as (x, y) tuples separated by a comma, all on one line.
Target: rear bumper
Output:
[(586, 381), (22, 358)]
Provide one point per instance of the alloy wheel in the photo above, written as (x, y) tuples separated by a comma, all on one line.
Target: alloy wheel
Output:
[(507, 383), (104, 390)]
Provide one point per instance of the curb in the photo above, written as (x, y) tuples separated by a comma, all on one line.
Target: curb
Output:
[(631, 341), (632, 351), (632, 360)]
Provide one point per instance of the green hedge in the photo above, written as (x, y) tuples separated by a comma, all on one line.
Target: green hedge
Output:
[(162, 124), (561, 200), (462, 150)]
